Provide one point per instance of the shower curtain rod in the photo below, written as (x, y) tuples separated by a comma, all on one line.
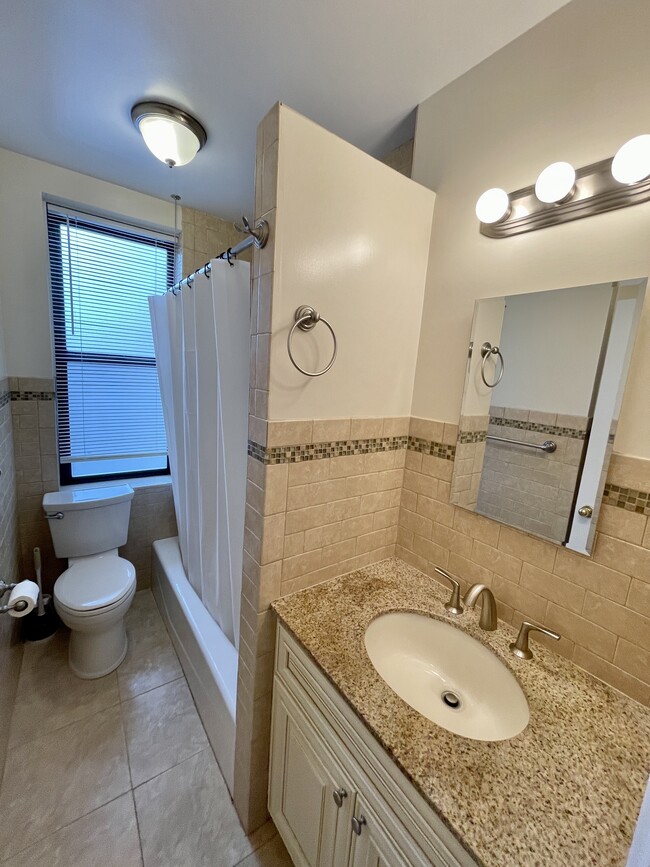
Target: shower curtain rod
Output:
[(257, 236)]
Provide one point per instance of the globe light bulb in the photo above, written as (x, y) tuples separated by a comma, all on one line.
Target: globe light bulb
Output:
[(555, 183), (493, 205), (631, 162)]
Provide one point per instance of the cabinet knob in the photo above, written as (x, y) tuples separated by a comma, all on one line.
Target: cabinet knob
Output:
[(585, 511), (339, 795), (357, 824)]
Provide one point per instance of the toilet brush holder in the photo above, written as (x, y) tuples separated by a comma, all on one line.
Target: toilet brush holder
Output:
[(43, 621)]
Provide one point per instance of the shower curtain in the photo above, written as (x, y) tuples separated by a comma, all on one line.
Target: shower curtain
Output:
[(201, 338)]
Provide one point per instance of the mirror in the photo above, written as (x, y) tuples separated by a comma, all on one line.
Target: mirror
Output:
[(544, 385)]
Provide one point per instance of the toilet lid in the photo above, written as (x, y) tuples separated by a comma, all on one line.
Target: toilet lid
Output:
[(95, 583)]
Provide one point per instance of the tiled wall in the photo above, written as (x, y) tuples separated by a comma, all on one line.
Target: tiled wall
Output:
[(204, 236), (401, 158), (10, 648), (600, 605), (470, 456), (34, 434), (528, 489), (263, 533)]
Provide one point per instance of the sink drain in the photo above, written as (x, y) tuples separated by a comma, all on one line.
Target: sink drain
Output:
[(451, 700)]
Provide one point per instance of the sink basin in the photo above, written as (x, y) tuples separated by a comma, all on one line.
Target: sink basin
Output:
[(447, 676)]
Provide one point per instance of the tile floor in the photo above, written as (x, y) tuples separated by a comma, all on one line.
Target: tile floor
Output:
[(118, 771)]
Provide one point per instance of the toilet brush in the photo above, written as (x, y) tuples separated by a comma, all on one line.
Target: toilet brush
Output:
[(43, 621)]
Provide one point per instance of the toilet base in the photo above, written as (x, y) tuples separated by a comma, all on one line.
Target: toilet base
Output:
[(92, 654)]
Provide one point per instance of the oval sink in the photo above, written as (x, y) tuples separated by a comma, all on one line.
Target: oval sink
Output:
[(447, 676)]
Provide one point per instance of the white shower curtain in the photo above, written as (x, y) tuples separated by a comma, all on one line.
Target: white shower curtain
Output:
[(201, 340)]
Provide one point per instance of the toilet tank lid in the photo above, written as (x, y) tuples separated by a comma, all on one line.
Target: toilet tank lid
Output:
[(86, 498)]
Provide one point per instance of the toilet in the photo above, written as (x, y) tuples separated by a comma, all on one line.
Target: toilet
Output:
[(94, 593)]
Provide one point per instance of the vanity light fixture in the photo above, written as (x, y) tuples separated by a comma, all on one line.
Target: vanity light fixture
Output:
[(493, 206), (631, 162), (171, 134), (556, 183), (562, 193)]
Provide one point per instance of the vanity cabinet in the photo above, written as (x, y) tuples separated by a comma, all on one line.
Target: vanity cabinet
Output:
[(335, 796)]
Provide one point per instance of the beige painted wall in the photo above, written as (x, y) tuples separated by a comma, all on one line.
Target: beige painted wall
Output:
[(575, 87), (24, 288), (351, 240)]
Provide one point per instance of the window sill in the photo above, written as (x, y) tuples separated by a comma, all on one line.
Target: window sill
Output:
[(136, 484)]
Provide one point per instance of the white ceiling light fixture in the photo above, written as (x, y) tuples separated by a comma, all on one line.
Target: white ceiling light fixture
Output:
[(171, 134), (556, 183), (493, 206), (631, 162)]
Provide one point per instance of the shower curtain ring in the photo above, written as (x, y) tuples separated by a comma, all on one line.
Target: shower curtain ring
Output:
[(229, 256)]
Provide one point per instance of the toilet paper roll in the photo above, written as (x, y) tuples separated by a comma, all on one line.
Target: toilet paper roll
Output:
[(25, 591)]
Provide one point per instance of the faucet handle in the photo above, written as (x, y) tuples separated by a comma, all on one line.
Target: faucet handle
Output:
[(453, 606), (520, 647)]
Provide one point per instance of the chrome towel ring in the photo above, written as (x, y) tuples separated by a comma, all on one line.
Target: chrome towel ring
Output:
[(307, 318), (486, 351)]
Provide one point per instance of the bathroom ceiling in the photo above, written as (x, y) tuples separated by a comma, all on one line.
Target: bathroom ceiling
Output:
[(72, 69)]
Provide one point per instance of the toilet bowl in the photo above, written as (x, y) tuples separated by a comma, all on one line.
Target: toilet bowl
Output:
[(92, 597), (94, 593)]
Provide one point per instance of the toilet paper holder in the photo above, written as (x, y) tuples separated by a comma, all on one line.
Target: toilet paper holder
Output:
[(19, 605)]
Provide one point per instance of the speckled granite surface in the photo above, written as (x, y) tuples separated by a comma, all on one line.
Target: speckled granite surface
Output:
[(565, 792)]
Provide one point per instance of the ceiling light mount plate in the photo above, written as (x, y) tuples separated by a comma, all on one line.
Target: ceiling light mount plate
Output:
[(596, 191)]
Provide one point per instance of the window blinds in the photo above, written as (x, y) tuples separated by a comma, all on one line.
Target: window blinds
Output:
[(108, 402)]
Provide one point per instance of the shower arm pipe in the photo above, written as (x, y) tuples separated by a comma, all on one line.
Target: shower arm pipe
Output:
[(254, 237)]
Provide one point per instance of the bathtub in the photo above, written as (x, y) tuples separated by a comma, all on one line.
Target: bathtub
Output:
[(209, 660)]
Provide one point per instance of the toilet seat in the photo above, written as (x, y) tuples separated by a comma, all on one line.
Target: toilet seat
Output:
[(95, 585)]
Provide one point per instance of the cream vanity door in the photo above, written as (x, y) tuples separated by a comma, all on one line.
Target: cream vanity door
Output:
[(371, 845), (310, 797)]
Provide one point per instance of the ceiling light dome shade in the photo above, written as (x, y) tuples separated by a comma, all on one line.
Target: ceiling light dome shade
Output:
[(493, 205), (172, 135), (556, 183), (631, 162)]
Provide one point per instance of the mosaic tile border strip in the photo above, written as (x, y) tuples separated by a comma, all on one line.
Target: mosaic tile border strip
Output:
[(571, 432), (5, 398), (627, 498), (472, 436), (294, 454), (32, 395), (430, 447)]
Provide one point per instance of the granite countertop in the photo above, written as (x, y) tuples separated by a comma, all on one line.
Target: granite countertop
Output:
[(565, 792)]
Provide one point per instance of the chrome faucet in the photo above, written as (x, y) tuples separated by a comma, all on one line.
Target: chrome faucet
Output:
[(488, 619)]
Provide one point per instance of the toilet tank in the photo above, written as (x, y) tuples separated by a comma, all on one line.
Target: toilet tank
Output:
[(88, 521)]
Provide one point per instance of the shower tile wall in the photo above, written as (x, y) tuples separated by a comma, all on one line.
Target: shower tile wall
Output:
[(601, 605), (204, 236), (10, 648), (528, 489), (34, 435)]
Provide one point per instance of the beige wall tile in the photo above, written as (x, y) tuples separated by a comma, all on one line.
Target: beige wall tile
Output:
[(618, 619), (533, 551), (585, 633), (330, 430), (366, 428), (621, 524), (497, 561), (592, 576), (545, 584), (615, 553), (639, 597), (611, 674), (633, 659), (285, 433)]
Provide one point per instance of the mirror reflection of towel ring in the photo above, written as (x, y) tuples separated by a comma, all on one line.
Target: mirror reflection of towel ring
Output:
[(486, 351), (306, 319)]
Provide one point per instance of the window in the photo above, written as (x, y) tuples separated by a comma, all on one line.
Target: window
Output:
[(109, 414)]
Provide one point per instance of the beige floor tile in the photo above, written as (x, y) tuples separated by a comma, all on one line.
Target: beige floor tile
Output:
[(162, 729), (186, 817), (50, 696), (107, 837), (60, 777), (271, 854), (151, 660)]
